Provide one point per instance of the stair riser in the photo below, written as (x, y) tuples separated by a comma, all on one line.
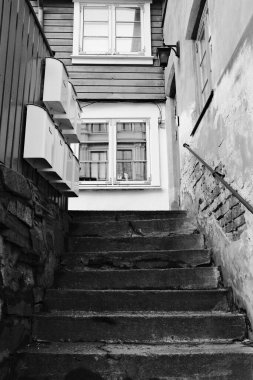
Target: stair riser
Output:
[(82, 244), (198, 278), (103, 216), (161, 259), (136, 301), (138, 329), (125, 228), (134, 367)]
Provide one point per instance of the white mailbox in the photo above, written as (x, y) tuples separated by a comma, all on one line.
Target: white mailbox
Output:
[(66, 182), (57, 170), (55, 93), (74, 172), (73, 135), (39, 138), (67, 120)]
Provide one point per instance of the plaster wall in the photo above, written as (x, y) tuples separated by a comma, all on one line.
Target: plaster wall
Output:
[(155, 197), (224, 138)]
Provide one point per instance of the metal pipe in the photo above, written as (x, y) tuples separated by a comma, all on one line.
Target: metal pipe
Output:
[(220, 178)]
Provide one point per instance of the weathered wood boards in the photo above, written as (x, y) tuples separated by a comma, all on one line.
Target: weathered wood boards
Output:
[(103, 82)]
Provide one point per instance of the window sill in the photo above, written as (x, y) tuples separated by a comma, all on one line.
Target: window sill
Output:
[(112, 60), (118, 187)]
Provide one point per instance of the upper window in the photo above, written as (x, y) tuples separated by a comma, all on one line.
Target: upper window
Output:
[(112, 33), (203, 59)]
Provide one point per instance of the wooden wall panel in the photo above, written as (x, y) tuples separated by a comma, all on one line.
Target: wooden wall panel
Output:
[(23, 47), (103, 82)]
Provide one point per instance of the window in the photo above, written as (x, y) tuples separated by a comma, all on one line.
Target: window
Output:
[(203, 59), (114, 152), (112, 33)]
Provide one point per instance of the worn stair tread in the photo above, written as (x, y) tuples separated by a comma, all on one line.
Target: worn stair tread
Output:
[(176, 241), (174, 349), (124, 215), (116, 300), (137, 361), (183, 258), (173, 278), (148, 227), (139, 327), (144, 314)]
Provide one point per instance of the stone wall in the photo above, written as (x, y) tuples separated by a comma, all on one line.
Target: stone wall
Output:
[(32, 230), (212, 200)]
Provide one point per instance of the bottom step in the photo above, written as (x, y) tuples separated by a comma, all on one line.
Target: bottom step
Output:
[(65, 361)]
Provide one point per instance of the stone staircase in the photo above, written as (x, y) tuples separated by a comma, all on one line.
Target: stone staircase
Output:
[(137, 298)]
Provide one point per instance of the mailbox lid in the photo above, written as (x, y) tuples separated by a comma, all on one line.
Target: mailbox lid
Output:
[(65, 183), (39, 138), (55, 92), (68, 120), (57, 170)]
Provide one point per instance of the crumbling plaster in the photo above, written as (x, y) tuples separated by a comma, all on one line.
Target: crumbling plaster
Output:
[(224, 138)]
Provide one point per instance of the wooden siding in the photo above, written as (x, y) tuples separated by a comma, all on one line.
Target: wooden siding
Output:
[(105, 82), (22, 49)]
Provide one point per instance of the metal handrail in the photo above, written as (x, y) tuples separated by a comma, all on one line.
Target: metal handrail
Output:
[(220, 178)]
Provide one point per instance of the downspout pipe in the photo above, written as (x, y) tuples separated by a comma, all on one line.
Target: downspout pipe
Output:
[(41, 12)]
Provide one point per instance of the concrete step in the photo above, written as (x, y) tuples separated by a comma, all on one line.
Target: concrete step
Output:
[(152, 227), (66, 361), (138, 327), (186, 258), (195, 278), (88, 244), (137, 300), (103, 216)]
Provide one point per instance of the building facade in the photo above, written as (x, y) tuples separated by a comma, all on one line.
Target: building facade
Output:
[(109, 49), (211, 84)]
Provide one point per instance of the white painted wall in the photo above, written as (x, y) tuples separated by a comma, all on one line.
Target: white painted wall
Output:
[(149, 198)]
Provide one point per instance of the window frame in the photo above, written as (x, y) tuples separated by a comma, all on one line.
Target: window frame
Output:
[(112, 181), (144, 57), (203, 26)]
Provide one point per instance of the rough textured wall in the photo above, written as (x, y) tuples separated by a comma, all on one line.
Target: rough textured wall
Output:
[(224, 139), (31, 239)]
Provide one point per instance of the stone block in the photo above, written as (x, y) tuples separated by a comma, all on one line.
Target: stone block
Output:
[(237, 211), (15, 183), (233, 201), (38, 241), (17, 239), (25, 214), (19, 303), (229, 227), (225, 208), (240, 221)]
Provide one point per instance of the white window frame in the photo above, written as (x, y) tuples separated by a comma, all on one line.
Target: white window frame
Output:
[(112, 151), (143, 58), (203, 26)]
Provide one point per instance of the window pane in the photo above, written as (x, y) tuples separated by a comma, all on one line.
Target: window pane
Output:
[(128, 45), (131, 152), (128, 14), (95, 29), (94, 152), (128, 30), (96, 14), (95, 44)]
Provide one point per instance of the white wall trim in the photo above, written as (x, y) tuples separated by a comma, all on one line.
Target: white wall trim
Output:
[(112, 60)]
